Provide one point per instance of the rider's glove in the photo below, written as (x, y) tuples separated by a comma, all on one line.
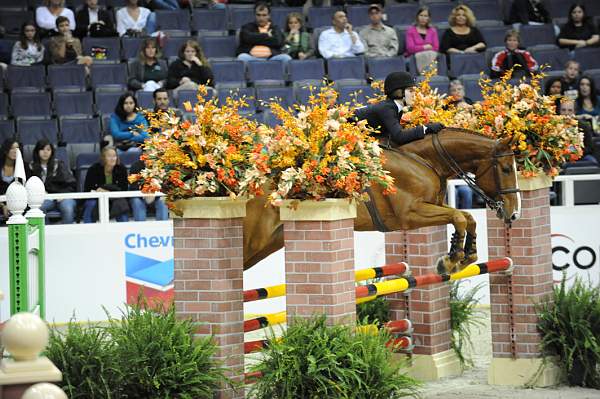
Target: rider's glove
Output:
[(433, 128)]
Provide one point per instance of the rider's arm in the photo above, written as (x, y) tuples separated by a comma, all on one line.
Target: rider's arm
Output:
[(400, 136)]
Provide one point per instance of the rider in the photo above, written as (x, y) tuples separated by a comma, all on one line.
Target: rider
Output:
[(399, 89)]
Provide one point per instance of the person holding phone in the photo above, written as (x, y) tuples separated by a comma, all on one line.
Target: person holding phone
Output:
[(64, 48), (340, 40)]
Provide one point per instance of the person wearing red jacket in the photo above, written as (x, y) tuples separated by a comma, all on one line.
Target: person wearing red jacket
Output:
[(513, 57)]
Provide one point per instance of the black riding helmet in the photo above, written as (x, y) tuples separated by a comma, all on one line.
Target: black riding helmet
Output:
[(397, 80)]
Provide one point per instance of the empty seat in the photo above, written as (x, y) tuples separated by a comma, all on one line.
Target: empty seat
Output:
[(109, 75), (130, 47), (355, 94), (312, 69), (13, 5), (246, 92), (229, 73), (111, 48), (30, 78), (358, 15), (207, 19), (486, 10), (279, 15), (441, 65), (127, 158), (107, 101), (266, 72), (494, 35), (440, 11), (379, 68), (537, 34), (32, 130), (173, 44), (73, 103), (472, 89), (589, 58), (554, 58), (461, 64), (172, 19), (218, 46), (4, 108), (12, 20), (31, 104), (303, 92), (7, 129), (82, 164), (321, 16), (67, 77), (241, 16), (346, 68), (441, 83), (284, 96), (145, 99), (401, 35), (192, 96), (80, 135), (558, 8), (6, 46), (401, 14)]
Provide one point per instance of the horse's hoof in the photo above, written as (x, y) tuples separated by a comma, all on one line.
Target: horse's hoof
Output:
[(445, 265), (469, 260), (457, 256)]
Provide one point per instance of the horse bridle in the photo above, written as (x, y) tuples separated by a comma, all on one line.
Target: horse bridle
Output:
[(492, 203)]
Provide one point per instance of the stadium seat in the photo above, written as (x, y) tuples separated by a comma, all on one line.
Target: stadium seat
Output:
[(303, 70), (558, 8), (358, 15), (401, 14), (32, 130), (240, 17), (13, 5), (111, 44), (279, 15), (592, 7), (439, 11), (80, 135), (554, 58), (229, 73), (173, 45), (266, 73), (321, 16), (588, 58), (284, 96), (192, 96), (127, 158), (172, 19), (441, 83), (401, 35), (461, 64), (70, 77), (218, 46), (145, 99), (31, 104), (442, 66), (247, 92), (73, 103), (532, 35), (346, 68), (6, 46), (472, 89), (355, 94), (4, 108), (130, 47), (486, 10), (109, 76), (303, 92), (7, 129), (493, 35), (26, 78), (594, 74), (379, 68), (12, 20), (207, 19), (82, 164), (106, 101)]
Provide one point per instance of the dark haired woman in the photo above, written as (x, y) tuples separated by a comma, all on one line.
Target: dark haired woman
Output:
[(128, 127), (190, 69), (148, 71), (57, 179), (579, 31), (588, 103), (8, 156), (28, 50)]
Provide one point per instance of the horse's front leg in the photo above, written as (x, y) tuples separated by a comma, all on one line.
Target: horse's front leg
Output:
[(470, 241)]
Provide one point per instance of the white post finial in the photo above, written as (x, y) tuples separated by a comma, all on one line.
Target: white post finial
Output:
[(16, 201), (20, 167), (44, 390), (36, 191)]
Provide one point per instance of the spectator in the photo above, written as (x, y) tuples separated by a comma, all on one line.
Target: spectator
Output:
[(161, 102), (139, 205), (103, 176), (46, 15), (8, 156), (128, 128), (422, 40), (163, 4), (57, 178), (93, 21), (579, 31), (570, 78), (528, 12), (567, 107), (148, 72), (555, 87), (457, 93), (462, 36), (340, 40), (190, 69), (261, 40), (64, 48), (513, 57), (297, 39), (380, 40), (135, 21), (29, 49), (588, 104)]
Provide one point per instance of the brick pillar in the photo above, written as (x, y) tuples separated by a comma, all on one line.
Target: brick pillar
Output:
[(396, 250), (531, 282), (428, 307), (319, 260), (209, 277)]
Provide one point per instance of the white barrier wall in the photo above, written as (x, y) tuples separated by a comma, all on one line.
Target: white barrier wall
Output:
[(90, 266)]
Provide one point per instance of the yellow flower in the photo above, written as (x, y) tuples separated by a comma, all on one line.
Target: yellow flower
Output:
[(187, 106), (522, 145)]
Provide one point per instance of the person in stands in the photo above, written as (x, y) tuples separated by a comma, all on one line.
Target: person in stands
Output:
[(588, 102), (567, 107), (28, 50), (148, 72), (579, 31), (528, 12), (64, 48), (46, 15), (190, 69), (106, 175), (128, 127), (297, 39), (570, 78), (457, 94), (462, 36), (512, 57), (555, 87), (162, 102), (340, 40), (139, 205), (94, 21), (135, 21), (422, 40), (57, 178), (380, 40)]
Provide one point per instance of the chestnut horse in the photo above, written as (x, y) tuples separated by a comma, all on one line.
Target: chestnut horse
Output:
[(420, 170)]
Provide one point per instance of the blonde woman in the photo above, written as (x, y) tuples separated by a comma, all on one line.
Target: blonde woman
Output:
[(45, 16), (462, 36), (148, 72)]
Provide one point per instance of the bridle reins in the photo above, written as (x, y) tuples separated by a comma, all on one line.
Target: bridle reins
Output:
[(451, 163)]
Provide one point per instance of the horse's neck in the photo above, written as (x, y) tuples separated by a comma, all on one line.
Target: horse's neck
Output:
[(463, 147)]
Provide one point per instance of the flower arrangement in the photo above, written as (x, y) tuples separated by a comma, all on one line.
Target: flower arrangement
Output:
[(317, 153), (221, 153)]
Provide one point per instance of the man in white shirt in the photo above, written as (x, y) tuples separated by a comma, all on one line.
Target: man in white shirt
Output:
[(340, 40)]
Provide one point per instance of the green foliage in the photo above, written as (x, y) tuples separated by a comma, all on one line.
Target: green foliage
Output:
[(147, 353), (313, 360), (376, 311), (570, 327), (463, 317)]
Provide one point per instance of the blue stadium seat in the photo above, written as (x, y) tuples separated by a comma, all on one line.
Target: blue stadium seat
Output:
[(494, 35), (486, 10), (73, 103), (32, 130), (106, 101), (82, 164), (248, 92), (461, 64), (31, 104), (401, 35), (192, 96), (241, 16), (589, 58), (109, 76), (26, 78), (130, 47), (172, 19), (558, 8), (554, 58), (6, 46), (69, 77), (355, 94), (442, 65), (218, 46), (232, 73), (207, 19), (145, 99), (284, 96), (346, 68), (532, 35), (129, 157), (81, 135), (173, 44), (266, 73), (312, 69), (7, 129), (303, 92), (401, 14), (111, 44), (321, 16), (13, 5), (12, 20), (379, 68), (592, 7), (4, 108), (472, 89), (440, 11), (441, 83), (279, 15), (358, 15)]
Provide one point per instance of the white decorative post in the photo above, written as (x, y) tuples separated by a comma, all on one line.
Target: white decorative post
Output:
[(44, 391)]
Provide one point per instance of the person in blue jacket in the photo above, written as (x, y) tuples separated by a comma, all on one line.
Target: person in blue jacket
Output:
[(128, 127)]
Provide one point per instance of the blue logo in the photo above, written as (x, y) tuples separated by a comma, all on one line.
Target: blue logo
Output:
[(149, 272)]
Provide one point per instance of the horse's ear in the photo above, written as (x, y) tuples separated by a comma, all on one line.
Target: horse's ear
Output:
[(507, 142)]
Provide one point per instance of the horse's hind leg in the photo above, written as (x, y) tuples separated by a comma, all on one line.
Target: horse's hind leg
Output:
[(470, 247)]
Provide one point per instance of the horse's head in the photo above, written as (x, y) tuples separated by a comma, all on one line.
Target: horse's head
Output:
[(497, 177)]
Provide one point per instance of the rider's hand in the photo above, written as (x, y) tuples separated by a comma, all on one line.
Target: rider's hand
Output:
[(433, 128)]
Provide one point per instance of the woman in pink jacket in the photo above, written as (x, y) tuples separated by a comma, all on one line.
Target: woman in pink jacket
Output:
[(422, 40)]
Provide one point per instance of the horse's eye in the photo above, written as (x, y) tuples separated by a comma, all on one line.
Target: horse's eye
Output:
[(506, 170)]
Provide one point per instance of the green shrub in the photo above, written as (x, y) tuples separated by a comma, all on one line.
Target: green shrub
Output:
[(376, 311), (313, 360), (570, 327), (463, 317)]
